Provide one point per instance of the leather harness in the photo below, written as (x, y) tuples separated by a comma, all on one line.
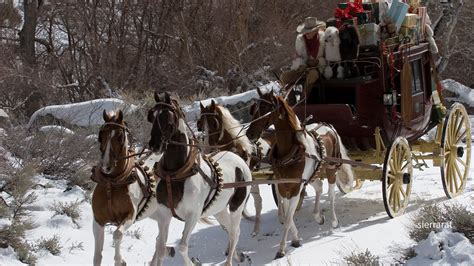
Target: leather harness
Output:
[(127, 177), (191, 167)]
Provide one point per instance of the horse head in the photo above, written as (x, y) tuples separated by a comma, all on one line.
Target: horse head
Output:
[(113, 139), (211, 123), (164, 116)]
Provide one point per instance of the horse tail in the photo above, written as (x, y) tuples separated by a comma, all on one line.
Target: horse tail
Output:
[(345, 177)]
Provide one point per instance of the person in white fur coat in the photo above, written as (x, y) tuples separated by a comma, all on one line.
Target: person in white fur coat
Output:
[(309, 59)]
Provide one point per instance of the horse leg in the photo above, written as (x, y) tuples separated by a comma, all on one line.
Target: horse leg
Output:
[(332, 198), (255, 191), (160, 246), (230, 222), (318, 187), (289, 207), (98, 231), (118, 235), (183, 244)]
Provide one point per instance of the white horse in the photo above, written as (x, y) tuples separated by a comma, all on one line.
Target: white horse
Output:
[(222, 130), (187, 188), (118, 197)]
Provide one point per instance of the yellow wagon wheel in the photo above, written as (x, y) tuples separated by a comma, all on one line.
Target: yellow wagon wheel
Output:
[(397, 177), (455, 150)]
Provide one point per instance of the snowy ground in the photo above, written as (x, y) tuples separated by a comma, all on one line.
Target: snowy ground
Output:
[(363, 225)]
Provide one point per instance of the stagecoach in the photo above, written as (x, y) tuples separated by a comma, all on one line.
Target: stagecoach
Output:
[(382, 122)]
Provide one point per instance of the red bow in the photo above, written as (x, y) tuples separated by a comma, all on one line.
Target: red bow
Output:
[(351, 10)]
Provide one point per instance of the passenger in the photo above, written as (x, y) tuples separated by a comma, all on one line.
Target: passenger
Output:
[(309, 47)]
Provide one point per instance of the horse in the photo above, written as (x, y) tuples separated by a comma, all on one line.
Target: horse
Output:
[(297, 154), (125, 189), (190, 183), (222, 130)]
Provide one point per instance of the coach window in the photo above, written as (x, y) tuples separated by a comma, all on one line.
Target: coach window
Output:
[(416, 82)]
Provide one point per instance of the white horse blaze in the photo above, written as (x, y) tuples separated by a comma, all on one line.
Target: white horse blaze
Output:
[(106, 167)]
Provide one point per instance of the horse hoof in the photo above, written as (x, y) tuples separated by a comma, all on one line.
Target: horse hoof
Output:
[(296, 244), (320, 220), (171, 252), (196, 261), (241, 257), (279, 255), (335, 224)]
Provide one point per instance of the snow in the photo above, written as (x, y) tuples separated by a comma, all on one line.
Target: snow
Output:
[(444, 247), (193, 110), (464, 94), (56, 129), (84, 113), (3, 114), (363, 224)]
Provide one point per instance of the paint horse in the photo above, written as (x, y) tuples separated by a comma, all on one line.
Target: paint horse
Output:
[(190, 183), (223, 132), (125, 189), (297, 154)]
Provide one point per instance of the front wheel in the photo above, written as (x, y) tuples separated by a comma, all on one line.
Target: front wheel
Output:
[(397, 177)]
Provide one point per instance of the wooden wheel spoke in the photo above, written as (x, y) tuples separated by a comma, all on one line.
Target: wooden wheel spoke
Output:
[(450, 177), (461, 162), (458, 174), (459, 126), (403, 193), (404, 166), (463, 135)]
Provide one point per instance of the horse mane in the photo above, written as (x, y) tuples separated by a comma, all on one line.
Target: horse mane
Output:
[(233, 127), (290, 114)]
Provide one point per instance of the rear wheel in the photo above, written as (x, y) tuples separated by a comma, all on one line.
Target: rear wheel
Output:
[(455, 150), (397, 177)]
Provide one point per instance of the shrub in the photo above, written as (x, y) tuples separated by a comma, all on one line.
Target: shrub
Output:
[(362, 258), (457, 217), (70, 209), (50, 244)]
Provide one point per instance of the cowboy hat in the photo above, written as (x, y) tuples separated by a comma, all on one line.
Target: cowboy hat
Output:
[(310, 24)]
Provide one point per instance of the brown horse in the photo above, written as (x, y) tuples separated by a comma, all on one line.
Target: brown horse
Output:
[(124, 191), (222, 130), (297, 153), (190, 185)]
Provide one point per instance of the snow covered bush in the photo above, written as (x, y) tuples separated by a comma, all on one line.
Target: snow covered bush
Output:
[(51, 245), (362, 258), (437, 217), (70, 209)]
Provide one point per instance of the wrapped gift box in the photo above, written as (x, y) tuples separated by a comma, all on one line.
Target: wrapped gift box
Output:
[(374, 7), (409, 32), (397, 13), (422, 15), (364, 17), (368, 34), (410, 20)]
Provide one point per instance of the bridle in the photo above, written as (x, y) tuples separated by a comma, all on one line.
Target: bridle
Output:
[(125, 130), (219, 128)]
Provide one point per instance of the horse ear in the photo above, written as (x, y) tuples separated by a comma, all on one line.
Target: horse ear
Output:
[(259, 92), (213, 104), (119, 116), (202, 106), (167, 97), (105, 115), (157, 97)]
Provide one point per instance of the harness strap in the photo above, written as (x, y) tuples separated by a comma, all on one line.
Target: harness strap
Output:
[(170, 197), (109, 203)]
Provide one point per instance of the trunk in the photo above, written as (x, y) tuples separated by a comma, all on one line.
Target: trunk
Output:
[(27, 33)]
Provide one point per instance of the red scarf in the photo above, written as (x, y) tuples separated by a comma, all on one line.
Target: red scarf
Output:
[(312, 45)]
